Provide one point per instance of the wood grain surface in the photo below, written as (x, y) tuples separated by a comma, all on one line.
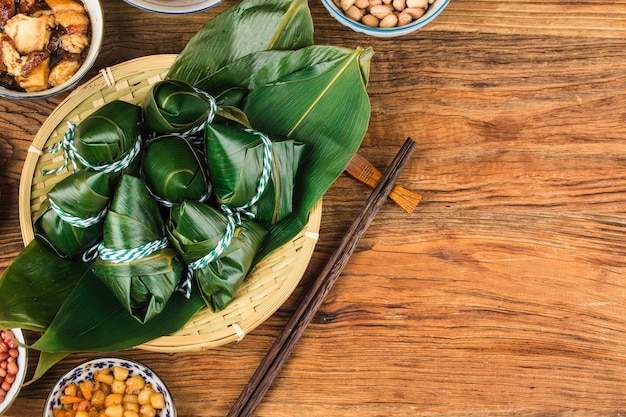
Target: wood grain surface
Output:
[(503, 293)]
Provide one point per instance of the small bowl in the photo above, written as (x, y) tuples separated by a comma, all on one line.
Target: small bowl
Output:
[(22, 362), (86, 371), (174, 6), (96, 17), (433, 11)]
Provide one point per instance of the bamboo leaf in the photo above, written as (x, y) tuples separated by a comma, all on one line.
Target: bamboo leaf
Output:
[(92, 320), (249, 26), (35, 285), (46, 361), (174, 106), (174, 170), (326, 107)]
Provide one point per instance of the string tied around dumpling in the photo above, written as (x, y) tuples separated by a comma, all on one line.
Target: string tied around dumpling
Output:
[(212, 113), (166, 203), (118, 256), (72, 155), (233, 216), (75, 221)]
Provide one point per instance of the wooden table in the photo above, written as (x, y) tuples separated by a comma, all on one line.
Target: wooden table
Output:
[(503, 293)]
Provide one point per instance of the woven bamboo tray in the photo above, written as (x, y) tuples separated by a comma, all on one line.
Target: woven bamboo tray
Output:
[(267, 286)]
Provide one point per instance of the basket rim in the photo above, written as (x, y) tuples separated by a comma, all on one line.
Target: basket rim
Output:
[(267, 286)]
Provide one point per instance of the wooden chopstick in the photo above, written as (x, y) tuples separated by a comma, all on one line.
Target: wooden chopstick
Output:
[(270, 366), (363, 170)]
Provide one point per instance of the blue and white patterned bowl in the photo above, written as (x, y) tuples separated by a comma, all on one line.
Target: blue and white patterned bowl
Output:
[(86, 372)]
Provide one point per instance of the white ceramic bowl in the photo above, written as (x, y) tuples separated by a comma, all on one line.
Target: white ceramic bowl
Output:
[(433, 11), (94, 8), (173, 6), (22, 363), (86, 372)]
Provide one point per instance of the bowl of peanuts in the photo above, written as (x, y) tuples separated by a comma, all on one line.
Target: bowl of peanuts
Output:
[(110, 387), (12, 366), (385, 18)]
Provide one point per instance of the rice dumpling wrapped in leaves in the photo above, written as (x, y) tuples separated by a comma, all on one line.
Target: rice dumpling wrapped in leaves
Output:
[(174, 170), (219, 251), (236, 159), (136, 261), (71, 219), (110, 138), (174, 106)]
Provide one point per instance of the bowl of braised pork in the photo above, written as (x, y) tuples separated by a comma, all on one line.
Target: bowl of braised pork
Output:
[(47, 46)]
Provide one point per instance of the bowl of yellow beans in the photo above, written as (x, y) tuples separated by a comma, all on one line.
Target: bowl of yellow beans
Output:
[(112, 387)]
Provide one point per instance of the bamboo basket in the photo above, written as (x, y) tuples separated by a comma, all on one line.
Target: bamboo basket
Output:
[(267, 286)]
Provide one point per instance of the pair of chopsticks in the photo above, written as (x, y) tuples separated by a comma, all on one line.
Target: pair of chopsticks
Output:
[(270, 366)]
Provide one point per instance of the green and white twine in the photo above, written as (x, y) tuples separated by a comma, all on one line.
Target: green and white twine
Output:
[(118, 256), (79, 222), (233, 215), (166, 203), (71, 154), (211, 115)]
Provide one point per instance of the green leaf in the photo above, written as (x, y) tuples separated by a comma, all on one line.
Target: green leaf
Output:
[(249, 26), (327, 108), (174, 106), (35, 285), (46, 361), (174, 170), (234, 78), (92, 320)]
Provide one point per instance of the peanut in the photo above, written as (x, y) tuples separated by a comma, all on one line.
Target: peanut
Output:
[(354, 13), (384, 14), (422, 4), (381, 11), (370, 20), (404, 19), (389, 21), (346, 4)]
